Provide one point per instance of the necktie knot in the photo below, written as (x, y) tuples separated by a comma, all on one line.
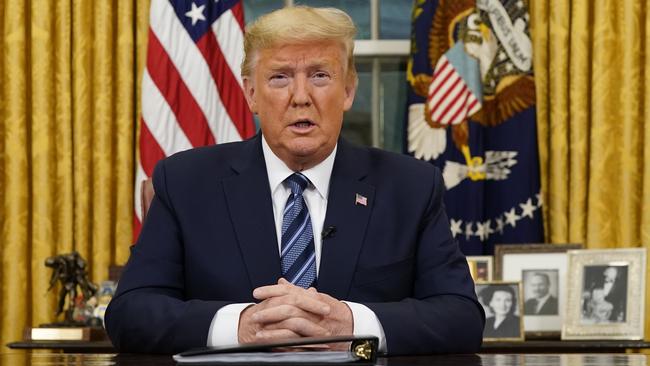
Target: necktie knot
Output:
[(297, 183)]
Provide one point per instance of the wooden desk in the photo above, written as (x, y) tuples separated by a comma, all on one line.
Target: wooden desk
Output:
[(24, 358), (65, 346), (492, 347), (558, 346)]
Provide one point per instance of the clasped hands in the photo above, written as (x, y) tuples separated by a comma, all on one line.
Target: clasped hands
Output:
[(288, 311)]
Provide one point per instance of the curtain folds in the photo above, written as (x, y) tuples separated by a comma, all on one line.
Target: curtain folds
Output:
[(67, 144), (593, 102), (592, 73)]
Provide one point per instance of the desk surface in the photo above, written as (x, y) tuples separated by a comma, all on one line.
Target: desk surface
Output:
[(488, 347), (24, 358)]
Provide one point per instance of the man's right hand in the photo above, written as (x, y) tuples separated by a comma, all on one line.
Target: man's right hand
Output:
[(287, 311)]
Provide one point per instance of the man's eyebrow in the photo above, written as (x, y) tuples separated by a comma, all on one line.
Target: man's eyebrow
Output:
[(311, 64)]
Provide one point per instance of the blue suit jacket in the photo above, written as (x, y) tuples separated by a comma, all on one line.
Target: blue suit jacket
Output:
[(209, 240)]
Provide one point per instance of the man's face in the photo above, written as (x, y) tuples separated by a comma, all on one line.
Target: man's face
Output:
[(610, 274), (539, 286), (300, 92)]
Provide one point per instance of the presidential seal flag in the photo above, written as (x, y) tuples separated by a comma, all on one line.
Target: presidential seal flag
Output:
[(192, 92), (471, 112)]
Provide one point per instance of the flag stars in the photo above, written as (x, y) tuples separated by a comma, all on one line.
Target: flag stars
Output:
[(488, 228), (456, 228), (500, 224), (528, 208), (468, 231), (196, 13), (512, 217), (483, 230)]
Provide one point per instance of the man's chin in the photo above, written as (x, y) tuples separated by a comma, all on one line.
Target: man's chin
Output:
[(308, 154)]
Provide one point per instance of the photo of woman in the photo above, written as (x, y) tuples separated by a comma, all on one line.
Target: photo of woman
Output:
[(502, 310)]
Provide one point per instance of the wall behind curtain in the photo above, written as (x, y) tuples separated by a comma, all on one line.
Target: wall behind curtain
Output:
[(69, 72), (592, 71)]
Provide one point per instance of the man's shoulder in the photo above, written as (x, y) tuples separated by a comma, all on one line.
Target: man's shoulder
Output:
[(532, 300), (392, 164), (215, 159), (400, 176)]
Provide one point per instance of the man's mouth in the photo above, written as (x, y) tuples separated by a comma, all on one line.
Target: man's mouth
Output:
[(303, 123)]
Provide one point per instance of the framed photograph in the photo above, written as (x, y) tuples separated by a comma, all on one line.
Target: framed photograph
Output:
[(542, 270), (503, 307), (480, 267), (606, 294)]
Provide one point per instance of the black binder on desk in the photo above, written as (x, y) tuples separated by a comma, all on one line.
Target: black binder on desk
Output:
[(300, 351)]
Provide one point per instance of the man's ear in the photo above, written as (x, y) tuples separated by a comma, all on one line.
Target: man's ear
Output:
[(350, 91), (249, 91)]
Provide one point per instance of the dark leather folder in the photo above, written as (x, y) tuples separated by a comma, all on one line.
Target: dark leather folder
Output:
[(300, 351)]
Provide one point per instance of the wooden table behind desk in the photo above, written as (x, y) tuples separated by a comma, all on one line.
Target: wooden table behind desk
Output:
[(24, 358)]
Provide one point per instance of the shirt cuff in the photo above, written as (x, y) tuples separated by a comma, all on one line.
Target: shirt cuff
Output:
[(367, 323), (224, 329)]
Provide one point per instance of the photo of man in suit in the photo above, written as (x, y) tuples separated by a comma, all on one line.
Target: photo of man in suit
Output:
[(541, 297), (296, 232)]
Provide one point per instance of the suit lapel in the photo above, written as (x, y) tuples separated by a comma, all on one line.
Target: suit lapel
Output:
[(249, 202), (339, 253)]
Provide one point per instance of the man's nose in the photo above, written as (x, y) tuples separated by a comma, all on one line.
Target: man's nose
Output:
[(301, 92)]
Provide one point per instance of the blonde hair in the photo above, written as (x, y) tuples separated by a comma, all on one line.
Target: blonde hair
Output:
[(299, 24)]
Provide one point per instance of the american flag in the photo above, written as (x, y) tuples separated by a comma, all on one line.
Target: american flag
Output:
[(450, 100), (360, 200), (192, 91)]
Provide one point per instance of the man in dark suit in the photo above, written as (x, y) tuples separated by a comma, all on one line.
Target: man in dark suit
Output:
[(296, 232), (614, 285), (542, 302)]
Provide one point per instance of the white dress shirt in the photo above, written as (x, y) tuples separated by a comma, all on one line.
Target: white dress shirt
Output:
[(541, 302), (225, 324)]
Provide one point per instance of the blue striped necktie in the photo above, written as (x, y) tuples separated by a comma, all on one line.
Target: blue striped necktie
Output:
[(298, 254)]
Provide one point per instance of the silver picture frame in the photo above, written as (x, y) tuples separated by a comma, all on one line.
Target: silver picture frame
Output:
[(606, 294)]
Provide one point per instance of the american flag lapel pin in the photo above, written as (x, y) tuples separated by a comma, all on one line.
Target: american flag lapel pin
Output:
[(360, 200)]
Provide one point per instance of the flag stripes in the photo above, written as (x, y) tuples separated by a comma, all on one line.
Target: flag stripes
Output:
[(192, 92), (450, 101)]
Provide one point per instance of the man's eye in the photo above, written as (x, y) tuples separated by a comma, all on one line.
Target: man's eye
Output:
[(278, 80), (321, 75), (320, 78)]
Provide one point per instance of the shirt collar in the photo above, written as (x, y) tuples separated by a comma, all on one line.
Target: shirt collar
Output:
[(543, 299), (277, 171)]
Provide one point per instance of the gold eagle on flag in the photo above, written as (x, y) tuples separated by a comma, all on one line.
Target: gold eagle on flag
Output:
[(481, 55)]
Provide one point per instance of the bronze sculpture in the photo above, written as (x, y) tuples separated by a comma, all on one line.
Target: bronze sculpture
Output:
[(70, 270)]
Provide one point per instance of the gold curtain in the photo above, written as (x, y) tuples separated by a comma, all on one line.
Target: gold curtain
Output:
[(68, 111), (593, 74), (592, 71)]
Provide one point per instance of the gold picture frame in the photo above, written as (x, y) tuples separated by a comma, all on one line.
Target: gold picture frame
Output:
[(606, 294), (481, 267), (492, 296), (534, 265)]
